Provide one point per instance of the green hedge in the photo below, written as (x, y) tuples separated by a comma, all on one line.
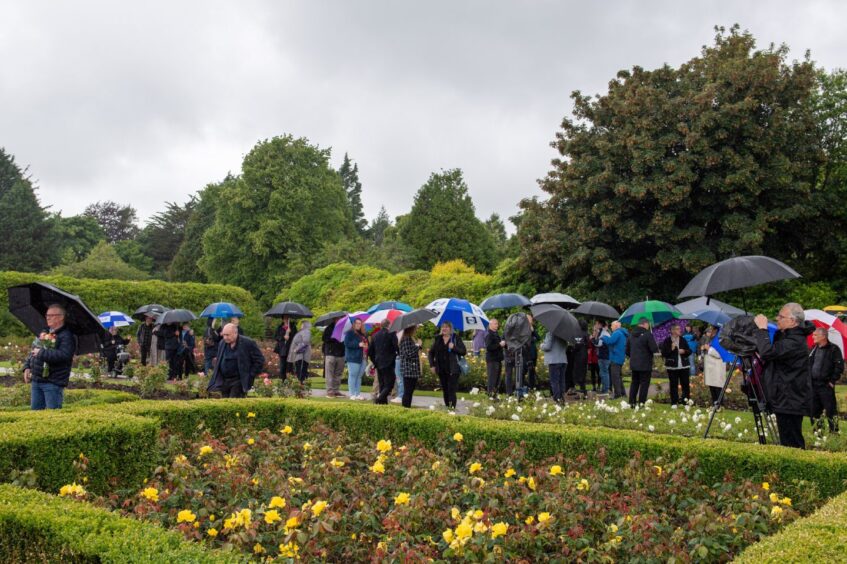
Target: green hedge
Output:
[(820, 537), (127, 296), (37, 527), (121, 448), (18, 397)]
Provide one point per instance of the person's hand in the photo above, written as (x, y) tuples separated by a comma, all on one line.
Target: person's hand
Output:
[(831, 385), (450, 346), (432, 369), (418, 342), (502, 343), (35, 351), (362, 345), (761, 321), (27, 375)]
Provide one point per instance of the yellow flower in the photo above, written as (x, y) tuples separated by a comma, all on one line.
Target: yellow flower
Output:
[(543, 517), (229, 523), (454, 513), (277, 502), (555, 470), (336, 463), (613, 528), (72, 489), (243, 518), (658, 470), (402, 499), (318, 508), (766, 486), (205, 449), (212, 532), (212, 517), (353, 536), (151, 494), (185, 516), (464, 530), (480, 527), (255, 481), (380, 545), (257, 548), (529, 520), (307, 447), (230, 460), (289, 550), (531, 483), (510, 472), (499, 530), (755, 497), (522, 479), (583, 485), (287, 430), (291, 524), (383, 446), (786, 501), (478, 514), (774, 498), (436, 464), (776, 513), (251, 441), (272, 517), (250, 415), (458, 437), (378, 468), (447, 535), (475, 467)]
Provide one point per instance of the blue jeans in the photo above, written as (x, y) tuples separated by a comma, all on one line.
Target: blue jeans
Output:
[(354, 377), (604, 375), (46, 395), (209, 366), (692, 361), (398, 370)]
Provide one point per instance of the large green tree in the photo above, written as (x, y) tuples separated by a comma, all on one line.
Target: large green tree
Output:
[(164, 233), (185, 265), (77, 235), (103, 262), (443, 226), (28, 243), (120, 222), (675, 168), (272, 224), (349, 173)]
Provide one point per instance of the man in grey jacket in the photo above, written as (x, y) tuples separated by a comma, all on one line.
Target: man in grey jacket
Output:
[(556, 359)]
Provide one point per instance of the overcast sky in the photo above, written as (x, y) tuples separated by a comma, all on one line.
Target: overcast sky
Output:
[(147, 102)]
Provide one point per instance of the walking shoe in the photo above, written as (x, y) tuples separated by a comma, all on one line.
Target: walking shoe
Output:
[(397, 400), (340, 395)]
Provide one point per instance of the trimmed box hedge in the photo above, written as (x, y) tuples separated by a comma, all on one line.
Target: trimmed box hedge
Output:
[(37, 527)]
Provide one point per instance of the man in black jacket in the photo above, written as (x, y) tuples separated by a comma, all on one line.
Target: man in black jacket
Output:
[(826, 364), (144, 337), (787, 384), (49, 369), (383, 353), (239, 362), (169, 336), (494, 344), (641, 348), (110, 349)]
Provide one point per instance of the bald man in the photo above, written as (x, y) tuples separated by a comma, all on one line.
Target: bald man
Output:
[(239, 362)]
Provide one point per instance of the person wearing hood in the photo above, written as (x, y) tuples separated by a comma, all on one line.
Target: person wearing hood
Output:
[(641, 348), (788, 385), (300, 351), (617, 355)]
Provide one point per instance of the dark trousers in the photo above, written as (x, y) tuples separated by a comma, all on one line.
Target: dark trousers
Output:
[(386, 377), (557, 380), (639, 386), (569, 383), (409, 385), (512, 378), (301, 370), (680, 377), (186, 363), (449, 385), (715, 392), (790, 430), (531, 374), (823, 401), (594, 370), (111, 358), (493, 369), (617, 380), (173, 363), (145, 354), (232, 389), (283, 366)]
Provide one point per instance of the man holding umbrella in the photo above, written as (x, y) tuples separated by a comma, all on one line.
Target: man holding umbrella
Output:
[(49, 368), (641, 347)]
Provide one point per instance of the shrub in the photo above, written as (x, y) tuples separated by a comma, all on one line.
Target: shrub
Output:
[(151, 379)]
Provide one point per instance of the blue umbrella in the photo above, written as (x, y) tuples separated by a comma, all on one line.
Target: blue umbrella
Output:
[(391, 304), (115, 319), (710, 316), (727, 356), (222, 310), (463, 315), (504, 301)]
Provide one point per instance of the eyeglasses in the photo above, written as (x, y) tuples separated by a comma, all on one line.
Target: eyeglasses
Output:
[(780, 316), (55, 315)]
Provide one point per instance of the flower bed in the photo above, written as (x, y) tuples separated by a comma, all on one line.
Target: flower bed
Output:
[(318, 495)]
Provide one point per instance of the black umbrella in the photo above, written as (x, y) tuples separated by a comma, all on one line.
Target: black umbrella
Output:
[(291, 309), (504, 301), (29, 303), (175, 316), (557, 298), (735, 273), (597, 309), (411, 319), (329, 318), (557, 320), (149, 310)]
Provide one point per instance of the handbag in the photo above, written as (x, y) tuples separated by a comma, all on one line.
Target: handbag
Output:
[(464, 367)]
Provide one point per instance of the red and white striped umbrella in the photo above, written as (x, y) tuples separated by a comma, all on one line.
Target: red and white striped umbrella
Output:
[(837, 330), (376, 317)]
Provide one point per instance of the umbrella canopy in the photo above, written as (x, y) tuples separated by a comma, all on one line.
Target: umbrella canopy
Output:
[(462, 314), (597, 309), (390, 305), (29, 303), (504, 301), (149, 310), (222, 310), (699, 304), (836, 329), (176, 316), (557, 298), (329, 318), (711, 316), (557, 321), (291, 309), (346, 323), (737, 272), (835, 309), (115, 319), (654, 311), (411, 319), (378, 316)]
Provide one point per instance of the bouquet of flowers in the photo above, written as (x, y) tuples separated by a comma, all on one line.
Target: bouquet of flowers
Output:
[(44, 341)]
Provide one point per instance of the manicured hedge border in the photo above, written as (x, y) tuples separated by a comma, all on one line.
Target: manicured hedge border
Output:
[(37, 527), (78, 398)]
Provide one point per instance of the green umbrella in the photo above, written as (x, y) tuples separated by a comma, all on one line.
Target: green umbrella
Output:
[(654, 311)]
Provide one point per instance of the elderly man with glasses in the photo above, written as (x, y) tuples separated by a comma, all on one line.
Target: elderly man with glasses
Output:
[(788, 385), (49, 368)]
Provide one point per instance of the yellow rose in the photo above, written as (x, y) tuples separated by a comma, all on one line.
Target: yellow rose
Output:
[(774, 498), (786, 501), (251, 441), (499, 530), (378, 468), (287, 430), (257, 548), (205, 449), (402, 499), (475, 467), (383, 446), (776, 513), (454, 513), (510, 472), (250, 415), (543, 517), (531, 483), (185, 516), (447, 535), (291, 524), (458, 437), (277, 502), (766, 486), (583, 485), (464, 530), (529, 520), (212, 532), (336, 463), (272, 517), (658, 470), (318, 508), (555, 470)]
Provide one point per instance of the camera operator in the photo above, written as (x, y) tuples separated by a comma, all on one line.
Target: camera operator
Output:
[(111, 342), (787, 381), (826, 363)]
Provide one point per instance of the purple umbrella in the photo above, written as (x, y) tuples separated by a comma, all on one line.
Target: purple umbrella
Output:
[(346, 323), (663, 330)]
